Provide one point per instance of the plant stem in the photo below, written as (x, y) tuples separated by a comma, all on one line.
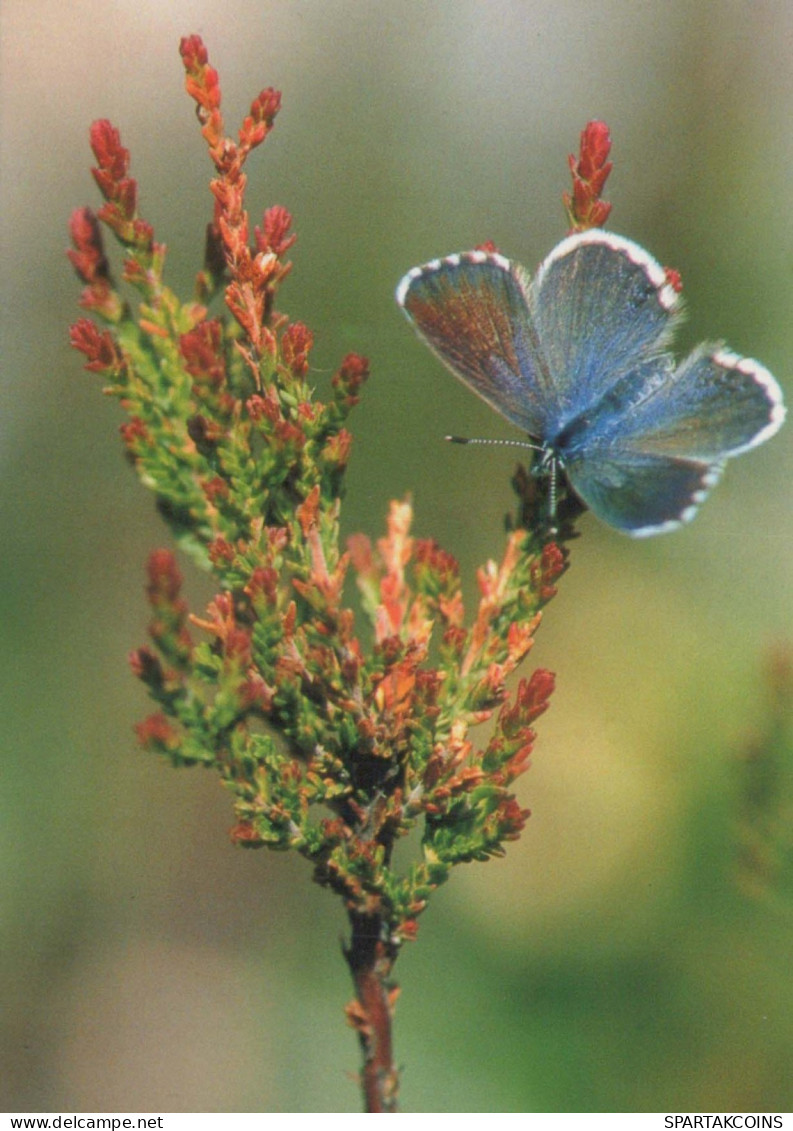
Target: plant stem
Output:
[(371, 959)]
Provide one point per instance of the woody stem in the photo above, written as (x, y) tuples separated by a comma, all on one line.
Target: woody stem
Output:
[(371, 959)]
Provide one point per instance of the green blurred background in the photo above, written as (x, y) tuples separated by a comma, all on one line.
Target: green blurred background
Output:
[(615, 960)]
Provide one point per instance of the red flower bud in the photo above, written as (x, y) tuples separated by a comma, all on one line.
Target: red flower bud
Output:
[(590, 172)]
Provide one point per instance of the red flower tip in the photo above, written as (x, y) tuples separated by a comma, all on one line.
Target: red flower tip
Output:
[(515, 719), (202, 82), (673, 279), (88, 257), (237, 646), (245, 835), (590, 171), (111, 156), (433, 557), (119, 190), (202, 351), (409, 930), (97, 345), (194, 53), (156, 733), (134, 434), (263, 585), (512, 819), (262, 408), (534, 694), (308, 511), (85, 335), (487, 246), (352, 373), (553, 561), (266, 105), (259, 122), (255, 694), (220, 550), (296, 342), (164, 577), (273, 236), (551, 566), (337, 450), (454, 638), (593, 162)]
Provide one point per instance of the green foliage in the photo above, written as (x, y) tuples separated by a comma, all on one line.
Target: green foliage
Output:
[(328, 749)]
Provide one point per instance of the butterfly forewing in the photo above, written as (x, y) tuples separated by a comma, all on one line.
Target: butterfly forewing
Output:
[(471, 309), (601, 306)]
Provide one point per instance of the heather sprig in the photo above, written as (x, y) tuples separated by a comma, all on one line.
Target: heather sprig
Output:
[(590, 170), (329, 748)]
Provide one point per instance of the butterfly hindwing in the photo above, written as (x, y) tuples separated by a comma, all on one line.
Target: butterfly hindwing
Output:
[(644, 463), (641, 494), (713, 405)]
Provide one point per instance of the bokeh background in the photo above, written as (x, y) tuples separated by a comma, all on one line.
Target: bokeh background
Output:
[(624, 956)]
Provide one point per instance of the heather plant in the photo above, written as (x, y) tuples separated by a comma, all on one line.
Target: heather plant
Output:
[(329, 747)]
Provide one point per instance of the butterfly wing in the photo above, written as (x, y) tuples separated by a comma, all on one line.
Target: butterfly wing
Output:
[(601, 304), (642, 494), (713, 405), (472, 311), (646, 469)]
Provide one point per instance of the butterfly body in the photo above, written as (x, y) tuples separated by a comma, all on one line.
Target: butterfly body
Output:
[(577, 358)]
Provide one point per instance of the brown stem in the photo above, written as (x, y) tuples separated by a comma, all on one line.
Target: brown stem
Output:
[(371, 959)]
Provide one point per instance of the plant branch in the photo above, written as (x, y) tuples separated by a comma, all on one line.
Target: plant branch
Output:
[(371, 959)]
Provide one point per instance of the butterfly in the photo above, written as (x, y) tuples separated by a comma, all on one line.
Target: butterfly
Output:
[(577, 358)]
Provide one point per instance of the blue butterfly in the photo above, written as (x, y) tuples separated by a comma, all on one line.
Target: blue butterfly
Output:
[(577, 358)]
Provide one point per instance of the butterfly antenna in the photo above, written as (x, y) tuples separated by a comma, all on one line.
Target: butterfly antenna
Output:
[(500, 443)]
